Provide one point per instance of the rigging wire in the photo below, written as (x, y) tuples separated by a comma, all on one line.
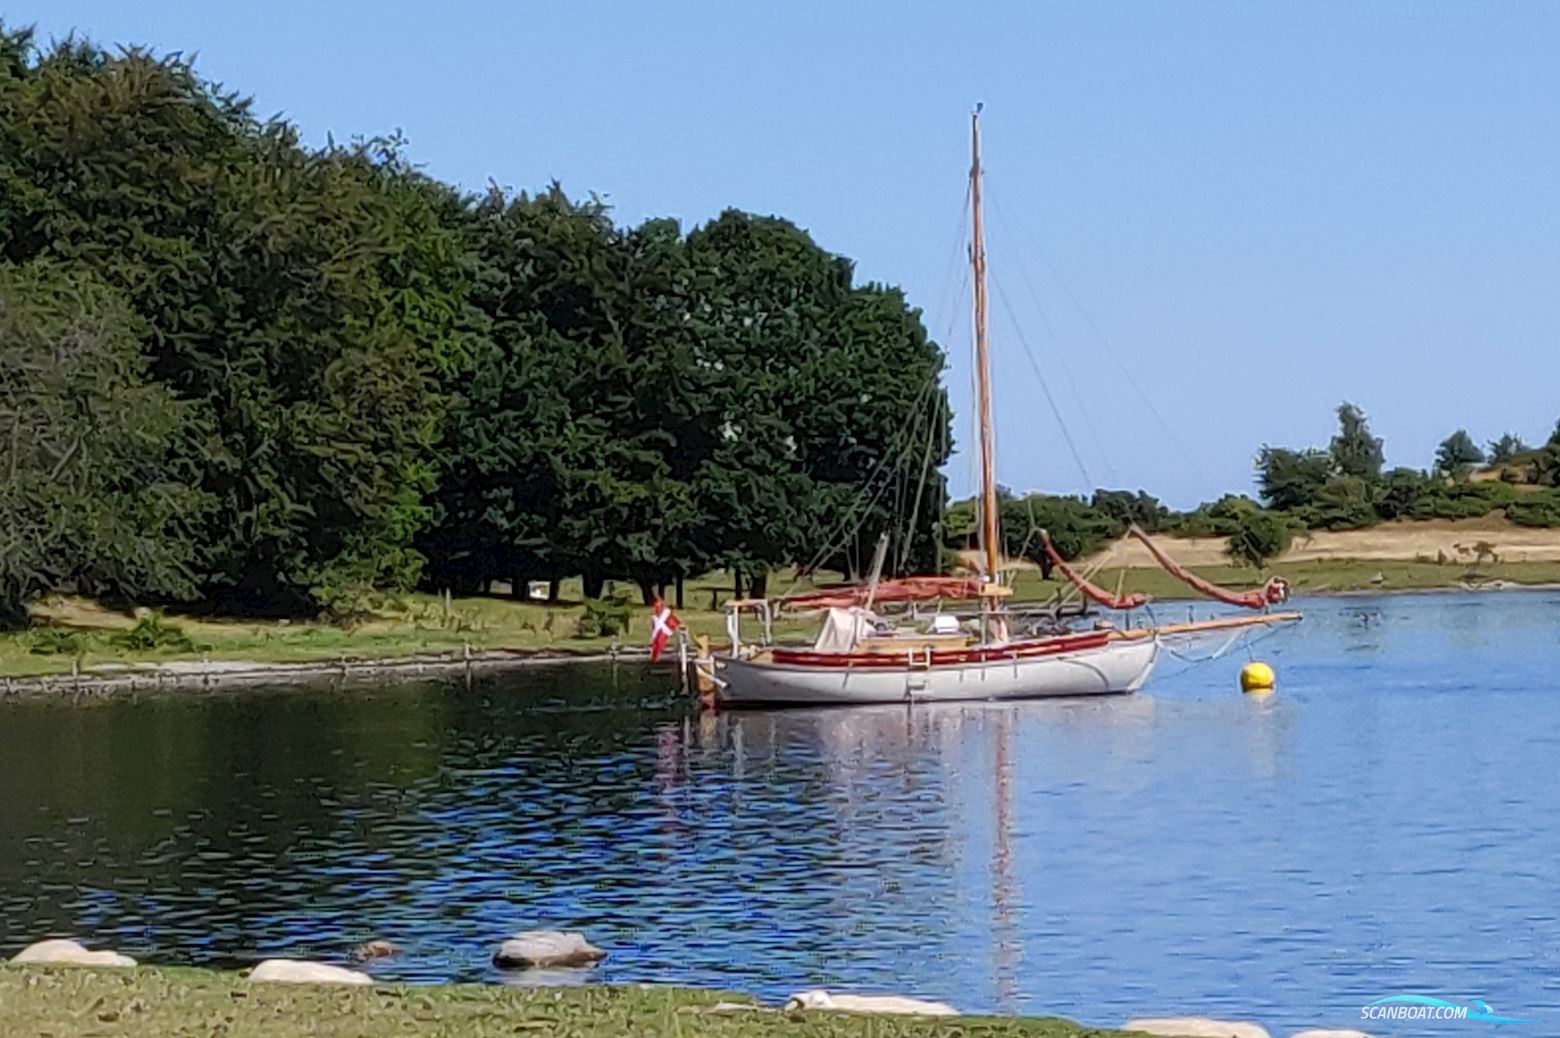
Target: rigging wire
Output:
[(955, 291), (1049, 399), (1045, 320), (850, 523), (1126, 371), (920, 489)]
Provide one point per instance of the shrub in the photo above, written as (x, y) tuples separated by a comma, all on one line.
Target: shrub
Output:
[(153, 633), (1400, 490), (1463, 500), (1260, 536), (55, 641), (1542, 509), (1342, 503), (603, 618)]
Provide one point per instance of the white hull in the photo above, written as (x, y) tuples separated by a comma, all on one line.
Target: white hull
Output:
[(1111, 668)]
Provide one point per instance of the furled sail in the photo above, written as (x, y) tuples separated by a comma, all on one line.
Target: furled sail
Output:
[(1094, 592), (1274, 592), (904, 589)]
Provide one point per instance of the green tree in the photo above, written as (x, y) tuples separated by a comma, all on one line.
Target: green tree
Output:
[(1342, 503), (1126, 508), (1505, 449), (1457, 454), (1399, 492), (305, 304), (1291, 479), (90, 495), (1355, 452), (1258, 537)]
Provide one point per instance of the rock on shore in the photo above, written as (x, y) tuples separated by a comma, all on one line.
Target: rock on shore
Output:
[(895, 1004), (298, 971), (540, 949), (62, 952), (1194, 1027)]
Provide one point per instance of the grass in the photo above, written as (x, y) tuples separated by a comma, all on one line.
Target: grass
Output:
[(64, 1001), (74, 632)]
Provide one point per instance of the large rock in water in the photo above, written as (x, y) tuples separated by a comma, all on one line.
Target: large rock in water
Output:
[(894, 1004), (297, 971), (1194, 1027), (540, 949), (61, 952)]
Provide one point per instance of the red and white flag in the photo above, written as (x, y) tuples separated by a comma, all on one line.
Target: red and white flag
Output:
[(662, 623)]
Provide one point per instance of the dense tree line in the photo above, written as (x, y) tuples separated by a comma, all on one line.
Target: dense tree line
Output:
[(272, 377)]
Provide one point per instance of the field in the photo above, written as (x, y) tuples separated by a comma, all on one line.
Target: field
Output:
[(169, 1002), (1393, 557)]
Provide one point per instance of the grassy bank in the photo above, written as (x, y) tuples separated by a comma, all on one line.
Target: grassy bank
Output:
[(68, 1001), (73, 632)]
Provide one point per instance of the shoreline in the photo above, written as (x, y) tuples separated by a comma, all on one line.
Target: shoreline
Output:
[(170, 675), (151, 675), (144, 1000), (128, 999)]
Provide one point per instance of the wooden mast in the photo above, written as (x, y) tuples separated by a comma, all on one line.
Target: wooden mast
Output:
[(988, 448)]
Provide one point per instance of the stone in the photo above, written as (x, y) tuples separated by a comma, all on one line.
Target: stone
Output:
[(368, 951), (1323, 1033), (895, 1004), (298, 971), (61, 952), (540, 949), (1194, 1027)]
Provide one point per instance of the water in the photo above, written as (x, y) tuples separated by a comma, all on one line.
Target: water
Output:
[(1385, 824)]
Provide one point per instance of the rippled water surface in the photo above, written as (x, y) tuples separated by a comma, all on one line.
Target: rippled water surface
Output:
[(1385, 824)]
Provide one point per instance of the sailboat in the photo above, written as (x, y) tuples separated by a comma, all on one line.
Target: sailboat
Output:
[(855, 661)]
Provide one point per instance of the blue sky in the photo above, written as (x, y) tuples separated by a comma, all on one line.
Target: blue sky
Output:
[(1257, 210)]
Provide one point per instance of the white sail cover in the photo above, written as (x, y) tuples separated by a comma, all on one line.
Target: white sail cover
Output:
[(843, 630)]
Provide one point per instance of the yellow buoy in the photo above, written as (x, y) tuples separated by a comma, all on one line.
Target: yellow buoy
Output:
[(1256, 677)]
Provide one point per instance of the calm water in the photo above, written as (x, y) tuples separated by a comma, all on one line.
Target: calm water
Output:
[(1385, 824)]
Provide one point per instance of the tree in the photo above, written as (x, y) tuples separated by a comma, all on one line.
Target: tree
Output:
[(1399, 492), (90, 493), (1076, 527), (1127, 508), (1291, 479), (1213, 518), (306, 305), (1258, 537), (1355, 452), (1457, 454), (1342, 503), (1505, 449)]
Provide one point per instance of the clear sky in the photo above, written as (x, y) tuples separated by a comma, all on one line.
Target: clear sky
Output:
[(1256, 209)]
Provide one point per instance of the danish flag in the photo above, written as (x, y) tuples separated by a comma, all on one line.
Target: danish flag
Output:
[(662, 623)]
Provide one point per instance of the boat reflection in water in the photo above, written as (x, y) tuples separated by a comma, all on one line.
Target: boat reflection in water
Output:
[(924, 794)]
